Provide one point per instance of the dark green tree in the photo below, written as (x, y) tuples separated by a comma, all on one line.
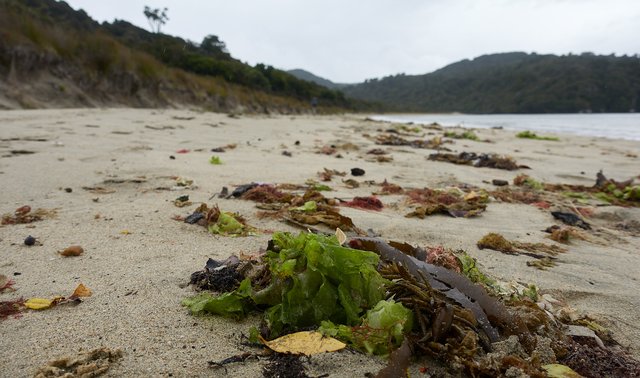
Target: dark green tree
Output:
[(213, 45)]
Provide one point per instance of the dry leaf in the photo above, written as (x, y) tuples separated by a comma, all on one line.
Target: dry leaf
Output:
[(560, 371), (471, 196), (341, 236), (307, 343), (81, 291), (38, 303), (74, 250)]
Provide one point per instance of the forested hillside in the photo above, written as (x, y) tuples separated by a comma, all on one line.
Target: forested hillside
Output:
[(514, 83), (49, 49)]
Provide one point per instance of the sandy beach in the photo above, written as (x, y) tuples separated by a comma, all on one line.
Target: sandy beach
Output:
[(109, 175)]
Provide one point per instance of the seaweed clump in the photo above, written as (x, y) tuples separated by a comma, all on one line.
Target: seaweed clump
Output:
[(452, 201), (309, 208), (467, 134), (367, 203), (219, 222), (544, 252), (24, 215), (478, 160), (312, 279), (531, 135), (394, 140)]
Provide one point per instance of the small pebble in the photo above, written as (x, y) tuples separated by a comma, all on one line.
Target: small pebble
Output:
[(357, 171), (172, 157), (68, 190), (498, 182), (30, 240)]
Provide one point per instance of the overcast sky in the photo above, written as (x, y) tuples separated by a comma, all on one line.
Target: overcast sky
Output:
[(349, 41)]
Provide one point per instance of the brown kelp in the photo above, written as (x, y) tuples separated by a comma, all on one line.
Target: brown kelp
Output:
[(478, 160), (452, 201)]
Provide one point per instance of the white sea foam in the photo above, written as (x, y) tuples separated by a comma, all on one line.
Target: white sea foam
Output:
[(609, 125)]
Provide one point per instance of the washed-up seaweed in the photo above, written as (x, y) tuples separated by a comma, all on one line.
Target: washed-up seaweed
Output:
[(450, 326), (24, 214), (266, 194), (564, 234), (399, 361), (367, 203), (241, 189), (312, 278), (86, 364), (394, 140), (11, 308), (528, 182), (619, 193), (327, 174), (218, 276), (323, 214), (571, 219), (452, 201), (467, 134), (478, 160), (595, 361), (284, 365), (218, 222), (452, 285), (531, 135), (310, 208), (6, 284), (389, 188), (545, 252), (516, 195), (381, 329)]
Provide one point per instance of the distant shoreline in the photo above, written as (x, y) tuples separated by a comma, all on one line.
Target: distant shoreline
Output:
[(606, 125)]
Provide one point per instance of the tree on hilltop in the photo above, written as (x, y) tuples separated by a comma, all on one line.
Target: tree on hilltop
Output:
[(212, 44), (156, 18)]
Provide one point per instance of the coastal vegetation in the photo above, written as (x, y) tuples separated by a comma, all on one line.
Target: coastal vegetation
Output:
[(514, 83), (139, 67)]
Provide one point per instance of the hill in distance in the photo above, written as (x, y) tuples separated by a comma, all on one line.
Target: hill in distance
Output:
[(54, 56), (308, 76), (513, 83)]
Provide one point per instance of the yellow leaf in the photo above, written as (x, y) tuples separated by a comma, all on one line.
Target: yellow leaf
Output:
[(38, 303), (74, 250), (560, 371), (341, 236), (81, 291), (471, 196), (126, 232), (307, 343)]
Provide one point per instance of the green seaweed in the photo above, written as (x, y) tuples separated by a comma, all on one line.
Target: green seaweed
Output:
[(382, 328), (470, 270), (531, 135), (467, 134), (526, 180), (226, 224), (215, 160), (313, 278), (235, 304), (309, 207)]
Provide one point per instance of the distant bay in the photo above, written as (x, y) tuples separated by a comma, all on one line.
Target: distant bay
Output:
[(608, 125)]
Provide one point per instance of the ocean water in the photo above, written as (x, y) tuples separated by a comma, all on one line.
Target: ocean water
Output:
[(608, 125)]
